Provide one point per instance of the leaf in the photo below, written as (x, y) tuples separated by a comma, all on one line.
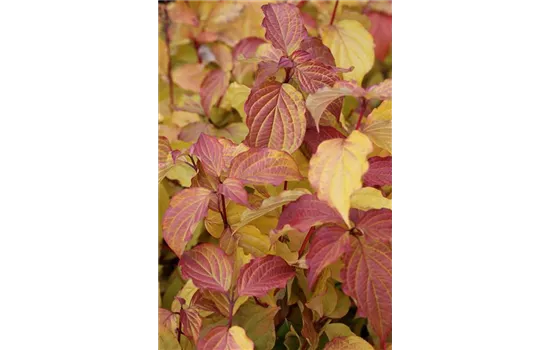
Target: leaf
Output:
[(235, 97), (263, 274), (275, 116), (234, 190), (252, 240), (180, 12), (352, 46), (210, 152), (376, 224), (221, 302), (308, 211), (213, 88), (380, 91), (208, 266), (189, 76), (246, 48), (284, 26), (379, 173), (329, 243), (259, 166), (316, 48), (367, 278), (335, 171), (186, 209), (269, 205), (313, 75), (167, 341), (191, 323), (334, 330), (318, 102), (379, 131), (381, 30), (348, 343), (258, 323), (222, 338), (369, 198), (313, 137)]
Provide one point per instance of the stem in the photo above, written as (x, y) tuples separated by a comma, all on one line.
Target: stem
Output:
[(363, 109), (224, 213), (179, 324), (306, 239), (285, 185), (166, 28), (334, 12), (197, 45), (287, 76), (231, 304), (194, 164)]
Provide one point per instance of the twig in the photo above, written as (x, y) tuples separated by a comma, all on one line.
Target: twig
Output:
[(306, 239), (334, 12), (363, 109)]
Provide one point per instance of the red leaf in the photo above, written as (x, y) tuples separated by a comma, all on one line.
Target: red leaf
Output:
[(381, 32), (234, 190), (313, 139), (191, 323), (275, 117), (367, 278), (223, 338), (259, 166), (208, 266), (313, 75), (376, 224), (379, 173), (329, 243), (213, 88), (246, 47), (210, 152), (284, 26), (308, 211), (317, 49), (186, 209), (263, 274)]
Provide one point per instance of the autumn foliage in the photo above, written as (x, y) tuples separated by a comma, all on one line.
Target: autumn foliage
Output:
[(274, 174)]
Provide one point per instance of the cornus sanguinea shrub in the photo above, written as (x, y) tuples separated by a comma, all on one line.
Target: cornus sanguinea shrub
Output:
[(274, 156)]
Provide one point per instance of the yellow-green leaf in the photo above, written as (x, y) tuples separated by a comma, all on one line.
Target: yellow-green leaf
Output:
[(348, 343), (352, 46), (369, 198), (335, 170), (235, 97)]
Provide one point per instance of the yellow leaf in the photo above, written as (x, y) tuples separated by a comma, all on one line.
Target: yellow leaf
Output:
[(163, 57), (342, 306), (352, 45), (235, 97), (253, 241), (369, 198), (182, 173), (269, 205), (379, 126), (258, 324), (239, 337), (334, 330), (186, 293), (382, 112), (335, 171), (167, 340), (348, 343)]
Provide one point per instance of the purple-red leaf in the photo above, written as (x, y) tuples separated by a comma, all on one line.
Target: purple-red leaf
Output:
[(313, 138), (275, 116), (308, 211), (213, 88), (191, 323), (381, 33), (208, 266), (259, 166), (313, 75), (186, 209), (263, 274), (246, 47), (284, 26), (210, 152), (223, 338), (376, 224), (317, 49), (329, 243), (379, 173), (367, 278), (234, 190)]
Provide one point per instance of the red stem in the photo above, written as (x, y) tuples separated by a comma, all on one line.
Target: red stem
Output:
[(224, 213), (285, 185), (334, 12), (231, 304), (166, 28), (363, 109), (306, 239)]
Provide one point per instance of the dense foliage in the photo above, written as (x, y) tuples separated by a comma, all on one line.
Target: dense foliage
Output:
[(274, 155)]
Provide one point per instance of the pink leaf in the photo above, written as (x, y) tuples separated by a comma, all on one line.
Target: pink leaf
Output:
[(313, 139), (381, 33), (313, 75), (208, 266), (317, 49), (259, 166), (191, 323), (213, 88), (284, 26), (379, 173), (275, 117), (329, 243), (367, 278), (234, 190), (210, 152), (376, 224), (223, 338), (246, 47), (186, 209), (308, 211), (263, 274)]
